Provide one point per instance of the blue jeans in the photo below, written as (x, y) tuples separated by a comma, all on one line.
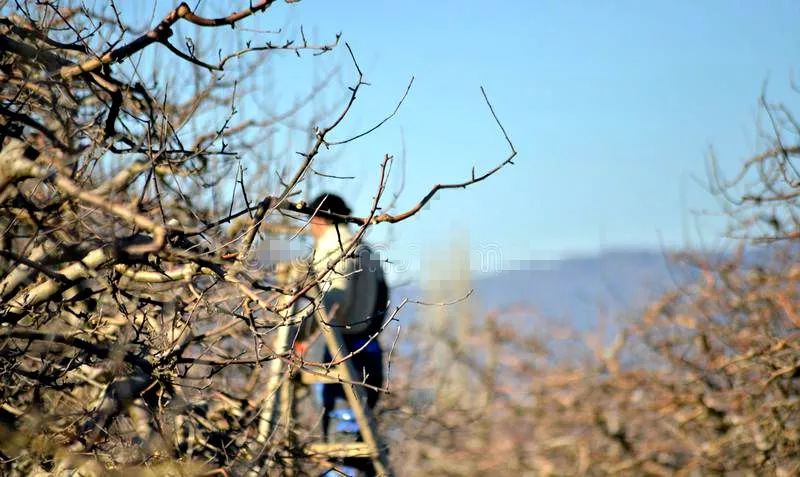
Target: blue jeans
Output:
[(368, 361)]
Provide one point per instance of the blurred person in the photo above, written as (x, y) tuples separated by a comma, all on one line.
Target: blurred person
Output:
[(355, 296)]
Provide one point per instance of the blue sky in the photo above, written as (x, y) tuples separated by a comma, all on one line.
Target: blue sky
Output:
[(612, 106)]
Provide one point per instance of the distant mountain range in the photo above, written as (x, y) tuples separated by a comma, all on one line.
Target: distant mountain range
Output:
[(579, 291)]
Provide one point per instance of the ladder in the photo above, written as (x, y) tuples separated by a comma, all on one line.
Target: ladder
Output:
[(279, 405)]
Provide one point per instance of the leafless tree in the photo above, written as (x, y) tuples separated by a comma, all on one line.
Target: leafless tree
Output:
[(704, 382), (135, 317)]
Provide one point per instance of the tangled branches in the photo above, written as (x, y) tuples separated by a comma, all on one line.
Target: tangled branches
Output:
[(704, 382), (135, 314)]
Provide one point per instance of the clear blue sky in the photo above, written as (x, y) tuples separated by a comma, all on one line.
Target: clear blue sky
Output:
[(611, 105)]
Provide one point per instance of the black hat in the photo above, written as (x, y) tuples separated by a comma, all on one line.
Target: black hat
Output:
[(329, 202)]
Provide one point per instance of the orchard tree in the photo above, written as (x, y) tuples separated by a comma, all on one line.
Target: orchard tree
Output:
[(135, 317), (704, 381)]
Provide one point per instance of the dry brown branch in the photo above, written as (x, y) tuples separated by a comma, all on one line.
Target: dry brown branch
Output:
[(138, 304)]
